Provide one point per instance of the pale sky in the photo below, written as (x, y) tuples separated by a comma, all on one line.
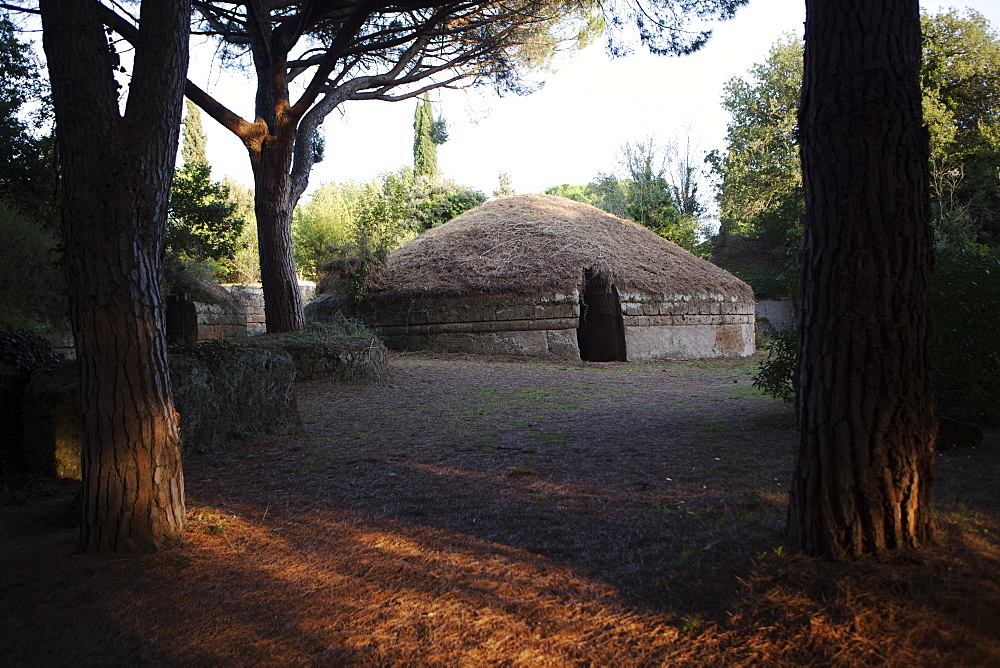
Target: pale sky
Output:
[(567, 132)]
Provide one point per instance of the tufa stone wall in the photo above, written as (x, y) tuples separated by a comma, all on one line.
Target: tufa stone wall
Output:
[(190, 322), (777, 315), (676, 326), (252, 298)]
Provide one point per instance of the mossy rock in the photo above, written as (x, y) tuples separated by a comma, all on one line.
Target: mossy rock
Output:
[(195, 402), (342, 358), (253, 389)]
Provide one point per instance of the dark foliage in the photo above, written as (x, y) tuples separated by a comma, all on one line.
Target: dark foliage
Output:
[(776, 375)]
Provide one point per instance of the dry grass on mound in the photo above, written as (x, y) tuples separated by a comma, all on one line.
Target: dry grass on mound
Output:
[(482, 512), (524, 244)]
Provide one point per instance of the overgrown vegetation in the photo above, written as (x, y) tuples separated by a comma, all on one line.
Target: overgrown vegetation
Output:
[(333, 346), (965, 300), (32, 285), (775, 375), (761, 201), (345, 232)]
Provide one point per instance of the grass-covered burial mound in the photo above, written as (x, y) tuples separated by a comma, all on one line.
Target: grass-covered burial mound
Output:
[(545, 275)]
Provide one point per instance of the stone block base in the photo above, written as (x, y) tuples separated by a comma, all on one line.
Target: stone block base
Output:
[(532, 343)]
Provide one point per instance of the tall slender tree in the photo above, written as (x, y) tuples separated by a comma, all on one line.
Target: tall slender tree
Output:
[(116, 169), (424, 146), (28, 180), (202, 223), (865, 467), (194, 141)]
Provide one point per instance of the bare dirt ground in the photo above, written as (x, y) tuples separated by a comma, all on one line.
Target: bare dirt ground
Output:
[(506, 512)]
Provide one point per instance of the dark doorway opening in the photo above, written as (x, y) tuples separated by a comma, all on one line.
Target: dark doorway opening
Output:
[(601, 334)]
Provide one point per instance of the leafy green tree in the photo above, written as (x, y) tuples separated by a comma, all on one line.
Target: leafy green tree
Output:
[(27, 156), (654, 186), (322, 226), (432, 202), (760, 190), (760, 194), (244, 265), (325, 228), (202, 223), (578, 193), (960, 79)]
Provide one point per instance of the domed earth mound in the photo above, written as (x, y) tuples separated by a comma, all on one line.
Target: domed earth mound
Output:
[(545, 275)]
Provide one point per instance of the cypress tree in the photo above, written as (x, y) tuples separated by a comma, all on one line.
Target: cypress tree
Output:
[(202, 224), (424, 148), (194, 140)]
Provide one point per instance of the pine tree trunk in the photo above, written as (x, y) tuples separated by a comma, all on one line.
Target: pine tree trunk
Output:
[(116, 177), (865, 468), (274, 207)]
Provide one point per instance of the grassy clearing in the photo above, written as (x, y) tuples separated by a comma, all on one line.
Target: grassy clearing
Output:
[(475, 513)]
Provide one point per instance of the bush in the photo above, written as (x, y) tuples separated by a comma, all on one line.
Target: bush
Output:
[(21, 354), (252, 388), (321, 228), (32, 285), (776, 375), (337, 347), (966, 306)]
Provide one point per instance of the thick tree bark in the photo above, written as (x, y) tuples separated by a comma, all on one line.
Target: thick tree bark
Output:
[(117, 170), (863, 479), (273, 206), (271, 158)]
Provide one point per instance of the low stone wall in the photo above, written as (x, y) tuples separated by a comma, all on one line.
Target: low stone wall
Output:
[(191, 322), (532, 343), (776, 315), (687, 326), (340, 358), (252, 298), (483, 313), (689, 341)]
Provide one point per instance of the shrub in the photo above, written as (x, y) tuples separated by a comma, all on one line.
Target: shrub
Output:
[(965, 305), (32, 286), (776, 374), (965, 299), (336, 347), (21, 353)]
